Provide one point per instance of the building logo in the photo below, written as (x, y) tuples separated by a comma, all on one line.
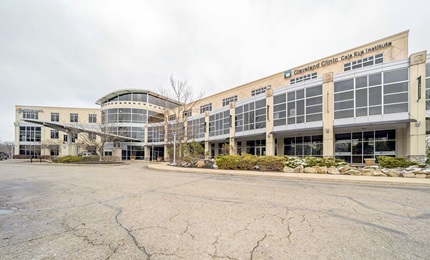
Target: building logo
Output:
[(288, 74), (20, 110)]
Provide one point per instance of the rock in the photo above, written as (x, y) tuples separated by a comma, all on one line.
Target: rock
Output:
[(200, 164), (310, 170), (344, 168), (299, 169), (352, 172), (288, 169), (366, 172), (215, 166), (333, 170), (371, 167), (317, 168), (422, 176), (393, 173), (408, 175), (323, 170), (426, 171), (418, 171), (377, 173)]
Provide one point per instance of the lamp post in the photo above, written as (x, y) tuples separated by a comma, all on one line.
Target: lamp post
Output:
[(174, 148)]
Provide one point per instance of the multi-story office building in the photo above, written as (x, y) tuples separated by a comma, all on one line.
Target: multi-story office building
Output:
[(368, 101)]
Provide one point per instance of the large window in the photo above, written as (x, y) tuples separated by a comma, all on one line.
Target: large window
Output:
[(219, 124), (229, 100), (304, 146), (206, 107), (357, 146), (92, 118), (125, 115), (369, 61), (251, 116), (29, 133), (30, 114), (55, 117), (156, 134), (31, 150), (54, 134), (375, 94), (196, 128), (256, 147), (74, 118), (304, 105)]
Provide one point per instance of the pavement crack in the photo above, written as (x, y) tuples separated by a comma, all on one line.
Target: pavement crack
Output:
[(257, 245), (129, 232)]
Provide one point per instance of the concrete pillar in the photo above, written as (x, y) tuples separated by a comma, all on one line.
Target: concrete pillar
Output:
[(416, 131), (328, 115), (232, 140), (207, 144), (145, 141), (270, 139), (166, 146)]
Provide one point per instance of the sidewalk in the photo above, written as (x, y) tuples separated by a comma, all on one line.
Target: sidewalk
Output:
[(300, 176)]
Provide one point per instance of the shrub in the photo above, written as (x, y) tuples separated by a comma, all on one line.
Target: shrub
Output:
[(271, 163), (76, 159), (293, 162), (228, 162), (394, 162), (247, 161)]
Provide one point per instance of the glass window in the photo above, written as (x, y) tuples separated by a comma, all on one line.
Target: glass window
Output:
[(74, 117), (396, 75), (55, 117)]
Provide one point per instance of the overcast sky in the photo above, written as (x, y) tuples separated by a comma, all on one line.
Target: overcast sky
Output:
[(71, 53)]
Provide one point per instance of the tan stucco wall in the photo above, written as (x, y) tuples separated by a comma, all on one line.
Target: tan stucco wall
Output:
[(398, 50)]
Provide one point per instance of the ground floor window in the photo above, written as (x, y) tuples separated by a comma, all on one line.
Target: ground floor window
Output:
[(304, 146), (157, 153), (256, 147), (108, 153), (133, 152), (54, 150), (357, 146), (31, 150)]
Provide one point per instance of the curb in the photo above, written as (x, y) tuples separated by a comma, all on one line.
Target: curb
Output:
[(300, 176)]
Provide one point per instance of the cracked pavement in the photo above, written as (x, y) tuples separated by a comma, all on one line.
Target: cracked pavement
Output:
[(131, 212)]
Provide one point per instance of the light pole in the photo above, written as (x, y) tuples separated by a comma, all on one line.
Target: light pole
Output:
[(174, 148)]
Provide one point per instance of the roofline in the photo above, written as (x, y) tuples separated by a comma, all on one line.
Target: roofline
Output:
[(132, 90), (24, 106), (309, 63)]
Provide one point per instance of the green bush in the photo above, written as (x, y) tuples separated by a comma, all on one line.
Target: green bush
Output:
[(271, 163), (76, 159), (394, 162), (293, 162), (228, 162), (247, 161)]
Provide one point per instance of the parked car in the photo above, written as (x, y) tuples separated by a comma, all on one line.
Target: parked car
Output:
[(3, 156), (85, 154)]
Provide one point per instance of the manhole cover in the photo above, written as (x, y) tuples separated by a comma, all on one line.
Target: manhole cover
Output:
[(6, 211)]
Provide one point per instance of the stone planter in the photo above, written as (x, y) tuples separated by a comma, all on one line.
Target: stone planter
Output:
[(369, 161)]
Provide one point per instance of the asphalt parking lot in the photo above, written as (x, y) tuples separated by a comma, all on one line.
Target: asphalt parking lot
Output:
[(50, 211)]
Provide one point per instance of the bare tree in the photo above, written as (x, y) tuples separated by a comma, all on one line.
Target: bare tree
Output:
[(7, 147), (96, 136), (174, 116)]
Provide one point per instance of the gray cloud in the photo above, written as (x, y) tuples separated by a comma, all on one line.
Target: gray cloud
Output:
[(70, 53)]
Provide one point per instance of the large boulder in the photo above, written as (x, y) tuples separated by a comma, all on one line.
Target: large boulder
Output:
[(299, 169), (408, 175), (310, 170), (352, 172), (378, 173), (323, 170), (393, 173), (200, 164), (333, 170), (344, 168), (422, 176), (288, 169), (366, 172)]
